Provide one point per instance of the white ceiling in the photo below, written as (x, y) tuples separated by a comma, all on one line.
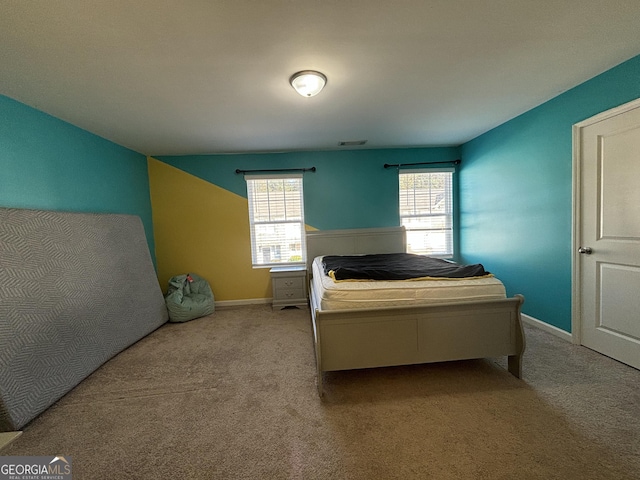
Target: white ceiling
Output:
[(198, 76)]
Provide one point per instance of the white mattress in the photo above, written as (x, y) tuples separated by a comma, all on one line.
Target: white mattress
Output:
[(333, 295)]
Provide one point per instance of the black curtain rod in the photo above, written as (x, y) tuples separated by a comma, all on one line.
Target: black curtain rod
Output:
[(400, 165), (312, 169)]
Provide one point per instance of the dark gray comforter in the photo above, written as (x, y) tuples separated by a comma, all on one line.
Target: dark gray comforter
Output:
[(396, 266)]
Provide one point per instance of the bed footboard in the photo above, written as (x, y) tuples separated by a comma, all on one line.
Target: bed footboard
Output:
[(353, 339)]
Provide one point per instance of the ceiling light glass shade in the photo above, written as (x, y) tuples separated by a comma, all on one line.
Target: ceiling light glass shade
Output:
[(308, 82)]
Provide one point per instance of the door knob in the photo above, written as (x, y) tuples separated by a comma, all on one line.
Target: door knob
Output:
[(585, 250)]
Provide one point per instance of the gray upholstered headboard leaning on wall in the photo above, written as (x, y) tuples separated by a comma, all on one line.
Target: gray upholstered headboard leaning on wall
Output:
[(75, 289)]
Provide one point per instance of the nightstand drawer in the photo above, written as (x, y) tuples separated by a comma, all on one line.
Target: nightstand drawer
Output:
[(289, 283), (289, 294)]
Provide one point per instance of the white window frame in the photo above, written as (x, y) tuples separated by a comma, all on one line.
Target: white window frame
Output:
[(292, 226), (441, 244)]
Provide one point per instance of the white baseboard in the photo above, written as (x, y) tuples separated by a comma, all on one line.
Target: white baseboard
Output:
[(558, 332), (7, 437), (239, 303)]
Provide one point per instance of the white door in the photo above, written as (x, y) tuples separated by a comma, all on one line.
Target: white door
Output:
[(607, 233)]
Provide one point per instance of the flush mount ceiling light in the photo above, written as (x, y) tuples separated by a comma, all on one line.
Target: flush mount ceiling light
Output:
[(308, 82)]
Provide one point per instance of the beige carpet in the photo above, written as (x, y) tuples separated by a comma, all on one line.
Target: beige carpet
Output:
[(233, 396)]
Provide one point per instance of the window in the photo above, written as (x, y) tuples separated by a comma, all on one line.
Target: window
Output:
[(426, 211), (276, 217)]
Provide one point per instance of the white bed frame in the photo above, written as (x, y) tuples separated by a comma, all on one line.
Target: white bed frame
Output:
[(367, 338)]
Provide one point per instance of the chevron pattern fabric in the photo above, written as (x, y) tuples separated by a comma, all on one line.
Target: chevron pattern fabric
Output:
[(75, 289)]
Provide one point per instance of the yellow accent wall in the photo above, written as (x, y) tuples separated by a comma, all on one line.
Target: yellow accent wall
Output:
[(202, 228)]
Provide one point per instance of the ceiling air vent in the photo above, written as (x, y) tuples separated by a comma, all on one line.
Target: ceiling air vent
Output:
[(352, 143)]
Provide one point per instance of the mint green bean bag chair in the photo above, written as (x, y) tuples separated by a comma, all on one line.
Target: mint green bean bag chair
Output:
[(188, 296)]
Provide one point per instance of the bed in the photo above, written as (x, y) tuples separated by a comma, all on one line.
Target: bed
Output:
[(389, 329)]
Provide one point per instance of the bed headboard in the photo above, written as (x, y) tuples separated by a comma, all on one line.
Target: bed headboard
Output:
[(355, 242)]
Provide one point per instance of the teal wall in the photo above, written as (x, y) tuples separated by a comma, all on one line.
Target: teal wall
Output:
[(515, 186), (46, 163), (350, 188)]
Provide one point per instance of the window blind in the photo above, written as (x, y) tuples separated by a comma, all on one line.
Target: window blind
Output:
[(276, 217), (426, 210)]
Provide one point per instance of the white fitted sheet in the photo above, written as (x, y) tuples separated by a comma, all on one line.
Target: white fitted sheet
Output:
[(334, 295)]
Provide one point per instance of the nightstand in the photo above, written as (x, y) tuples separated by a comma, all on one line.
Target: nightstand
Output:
[(289, 286)]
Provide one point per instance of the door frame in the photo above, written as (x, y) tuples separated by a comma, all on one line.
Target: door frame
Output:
[(576, 175)]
